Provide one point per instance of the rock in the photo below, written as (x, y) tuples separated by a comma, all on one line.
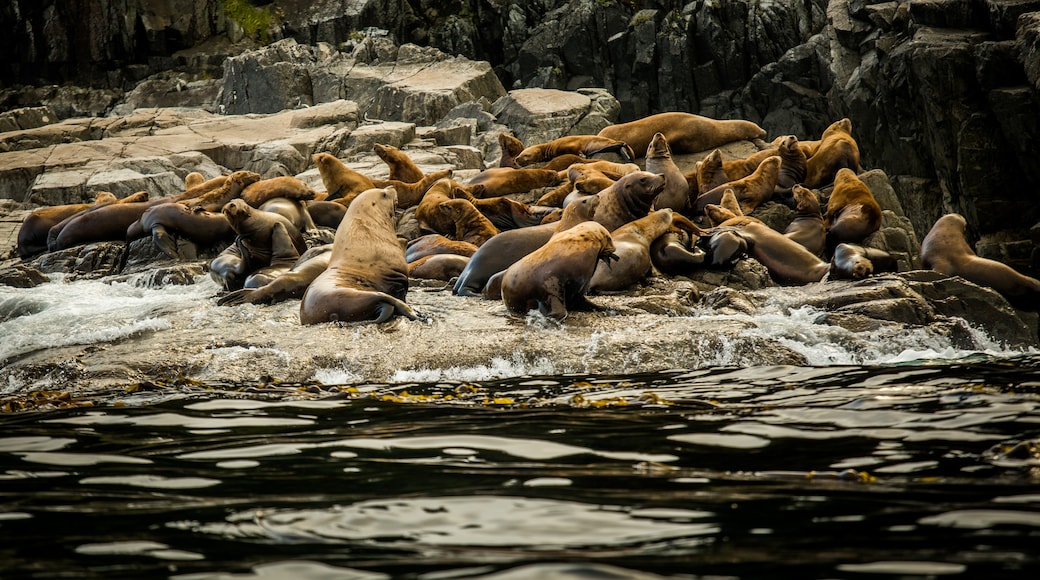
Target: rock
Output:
[(26, 118), (88, 262), (22, 276)]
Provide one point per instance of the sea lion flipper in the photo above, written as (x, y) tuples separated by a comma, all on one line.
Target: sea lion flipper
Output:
[(235, 298), (165, 241)]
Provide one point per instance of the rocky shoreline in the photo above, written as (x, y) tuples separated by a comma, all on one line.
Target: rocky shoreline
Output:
[(456, 110)]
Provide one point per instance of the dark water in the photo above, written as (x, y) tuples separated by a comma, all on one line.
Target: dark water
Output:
[(838, 472)]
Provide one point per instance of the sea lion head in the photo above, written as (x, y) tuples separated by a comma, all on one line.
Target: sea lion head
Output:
[(236, 211), (805, 200), (644, 183), (658, 147)]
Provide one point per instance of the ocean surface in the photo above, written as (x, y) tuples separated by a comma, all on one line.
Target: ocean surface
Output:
[(906, 460)]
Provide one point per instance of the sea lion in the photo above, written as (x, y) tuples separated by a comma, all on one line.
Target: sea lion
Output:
[(289, 285), (342, 183), (677, 251), (836, 150), (232, 188), (402, 168), (470, 225), (751, 191), (852, 212), (793, 166), (32, 234), (168, 221), (724, 248), (294, 210), (99, 223), (855, 262), (628, 199), (327, 214), (283, 257), (438, 267), (582, 145), (367, 277), (676, 193), (507, 247), (632, 247), (555, 278), (409, 194), (506, 213), (807, 227), (511, 147), (253, 243), (709, 172), (686, 132), (945, 249), (258, 193), (504, 181), (788, 261), (426, 213), (433, 244), (727, 208)]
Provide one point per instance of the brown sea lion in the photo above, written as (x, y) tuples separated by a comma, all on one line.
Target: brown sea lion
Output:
[(740, 168), (402, 168), (470, 225), (807, 227), (852, 212), (232, 188), (506, 213), (287, 286), (104, 222), (504, 181), (555, 278), (709, 172), (788, 261), (438, 267), (628, 199), (426, 213), (258, 193), (511, 147), (836, 150), (167, 222), (582, 145), (409, 194), (686, 132), (507, 247), (342, 183), (945, 249), (252, 249), (326, 214), (727, 208), (433, 244), (296, 211), (632, 247), (676, 193), (367, 277), (751, 191), (283, 257), (32, 234)]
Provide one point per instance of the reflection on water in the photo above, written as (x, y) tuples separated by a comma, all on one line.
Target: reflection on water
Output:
[(910, 470)]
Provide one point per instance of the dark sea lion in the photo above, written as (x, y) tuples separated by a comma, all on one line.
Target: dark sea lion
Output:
[(676, 193), (283, 257), (287, 286), (409, 194), (232, 188), (751, 191), (507, 247), (32, 234), (582, 145), (555, 278), (632, 247), (288, 187), (342, 183), (836, 150), (402, 168), (793, 166), (727, 208), (168, 221), (504, 181), (252, 249), (628, 199), (367, 276), (686, 132), (676, 252), (438, 267), (855, 262), (852, 212), (807, 227), (945, 249), (511, 147)]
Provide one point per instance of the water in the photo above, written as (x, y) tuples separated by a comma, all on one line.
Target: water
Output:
[(912, 469)]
